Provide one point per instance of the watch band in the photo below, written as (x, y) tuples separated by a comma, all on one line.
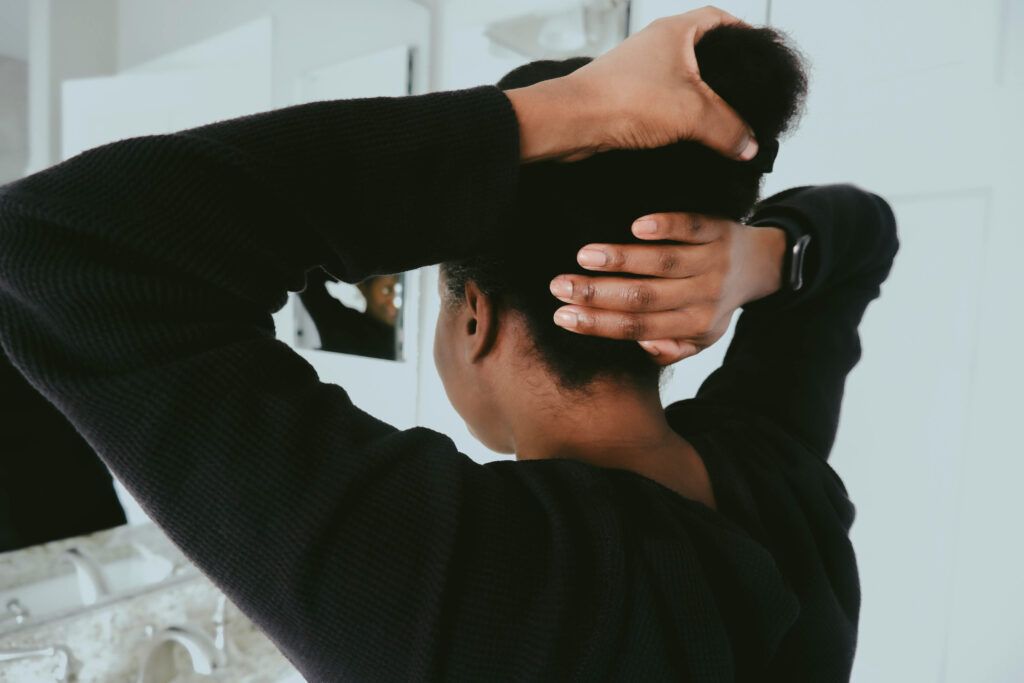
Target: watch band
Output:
[(794, 266)]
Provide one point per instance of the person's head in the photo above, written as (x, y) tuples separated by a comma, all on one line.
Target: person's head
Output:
[(379, 292), (495, 330)]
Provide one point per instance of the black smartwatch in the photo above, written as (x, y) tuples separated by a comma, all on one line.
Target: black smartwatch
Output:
[(793, 264)]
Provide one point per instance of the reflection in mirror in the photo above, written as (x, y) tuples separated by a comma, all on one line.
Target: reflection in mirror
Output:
[(364, 319)]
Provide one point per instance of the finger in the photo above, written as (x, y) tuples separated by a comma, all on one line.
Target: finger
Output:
[(669, 351), (625, 294), (707, 18), (721, 128), (692, 228), (659, 260), (688, 322)]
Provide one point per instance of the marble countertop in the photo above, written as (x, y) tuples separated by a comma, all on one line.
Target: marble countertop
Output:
[(110, 640)]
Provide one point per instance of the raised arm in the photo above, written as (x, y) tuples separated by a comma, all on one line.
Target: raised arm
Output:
[(791, 352), (137, 283)]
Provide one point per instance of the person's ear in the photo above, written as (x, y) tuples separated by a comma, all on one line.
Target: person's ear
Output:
[(481, 323)]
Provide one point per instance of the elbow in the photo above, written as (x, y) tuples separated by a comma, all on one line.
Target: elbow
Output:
[(887, 239), (879, 236)]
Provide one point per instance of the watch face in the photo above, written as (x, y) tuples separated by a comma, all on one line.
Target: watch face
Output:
[(796, 263)]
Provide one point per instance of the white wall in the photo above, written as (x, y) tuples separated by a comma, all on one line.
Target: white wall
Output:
[(13, 118)]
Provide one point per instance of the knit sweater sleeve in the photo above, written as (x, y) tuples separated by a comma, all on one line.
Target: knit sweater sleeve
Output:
[(791, 352), (137, 283)]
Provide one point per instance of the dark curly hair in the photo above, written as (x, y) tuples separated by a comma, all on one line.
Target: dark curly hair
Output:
[(562, 206)]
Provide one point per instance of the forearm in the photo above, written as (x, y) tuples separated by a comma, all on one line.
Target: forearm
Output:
[(853, 238), (792, 351)]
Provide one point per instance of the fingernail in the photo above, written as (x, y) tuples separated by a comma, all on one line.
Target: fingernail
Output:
[(561, 287), (650, 348), (675, 347), (645, 226), (592, 257), (750, 151), (565, 318)]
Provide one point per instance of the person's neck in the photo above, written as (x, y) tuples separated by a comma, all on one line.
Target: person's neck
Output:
[(608, 422), (613, 425)]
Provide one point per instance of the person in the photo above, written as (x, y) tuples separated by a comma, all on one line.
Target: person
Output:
[(345, 330), (137, 283)]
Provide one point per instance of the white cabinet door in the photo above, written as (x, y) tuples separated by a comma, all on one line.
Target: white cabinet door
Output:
[(220, 78)]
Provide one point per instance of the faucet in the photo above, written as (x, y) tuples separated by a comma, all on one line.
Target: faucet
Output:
[(16, 612), (158, 663), (92, 585), (66, 670)]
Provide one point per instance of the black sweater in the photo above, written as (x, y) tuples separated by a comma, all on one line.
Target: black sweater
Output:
[(137, 283)]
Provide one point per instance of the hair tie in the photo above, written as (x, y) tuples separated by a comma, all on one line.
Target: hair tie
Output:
[(764, 160)]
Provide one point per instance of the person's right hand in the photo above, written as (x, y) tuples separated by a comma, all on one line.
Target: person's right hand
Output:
[(689, 288), (646, 92)]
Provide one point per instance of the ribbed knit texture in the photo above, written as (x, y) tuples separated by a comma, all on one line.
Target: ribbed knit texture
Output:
[(137, 283)]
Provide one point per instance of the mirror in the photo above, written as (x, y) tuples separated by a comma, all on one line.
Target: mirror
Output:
[(364, 319)]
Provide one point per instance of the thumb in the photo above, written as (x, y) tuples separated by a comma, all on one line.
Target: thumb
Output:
[(722, 129), (669, 351)]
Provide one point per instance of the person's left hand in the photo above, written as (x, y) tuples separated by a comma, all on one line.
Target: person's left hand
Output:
[(695, 284)]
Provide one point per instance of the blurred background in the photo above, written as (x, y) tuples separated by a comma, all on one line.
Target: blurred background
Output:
[(919, 101)]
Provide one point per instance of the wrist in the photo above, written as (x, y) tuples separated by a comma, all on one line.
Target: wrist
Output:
[(767, 253), (555, 120)]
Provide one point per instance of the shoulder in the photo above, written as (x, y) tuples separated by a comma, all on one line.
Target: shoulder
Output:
[(753, 464)]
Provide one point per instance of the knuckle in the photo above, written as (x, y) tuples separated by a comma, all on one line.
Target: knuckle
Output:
[(616, 257), (668, 261), (631, 327), (697, 224), (639, 296), (584, 322), (588, 292)]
